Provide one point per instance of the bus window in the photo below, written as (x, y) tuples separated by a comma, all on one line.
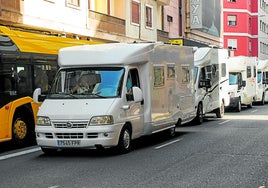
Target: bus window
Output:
[(24, 83), (41, 78)]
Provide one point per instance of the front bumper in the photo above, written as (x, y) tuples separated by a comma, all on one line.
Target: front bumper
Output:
[(91, 137)]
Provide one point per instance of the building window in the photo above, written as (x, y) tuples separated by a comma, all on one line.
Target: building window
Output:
[(232, 20), (231, 0), (149, 16), (73, 3), (232, 44), (135, 13)]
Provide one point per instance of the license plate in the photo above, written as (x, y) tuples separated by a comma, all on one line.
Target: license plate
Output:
[(66, 143)]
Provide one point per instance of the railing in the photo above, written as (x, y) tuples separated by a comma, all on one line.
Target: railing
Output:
[(163, 2), (162, 36), (106, 23)]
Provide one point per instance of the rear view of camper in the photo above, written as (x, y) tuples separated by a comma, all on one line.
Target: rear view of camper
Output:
[(262, 82), (211, 81), (242, 81), (125, 91)]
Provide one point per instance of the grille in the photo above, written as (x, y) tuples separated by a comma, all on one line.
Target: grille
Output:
[(48, 135), (70, 125), (92, 135), (69, 135)]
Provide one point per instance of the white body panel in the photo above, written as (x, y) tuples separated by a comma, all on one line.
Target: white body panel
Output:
[(165, 78), (246, 66), (211, 64)]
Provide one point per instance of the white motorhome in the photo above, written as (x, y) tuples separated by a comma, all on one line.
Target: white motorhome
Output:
[(262, 82), (211, 81), (242, 81), (136, 89)]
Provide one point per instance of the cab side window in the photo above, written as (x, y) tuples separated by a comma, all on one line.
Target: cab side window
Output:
[(132, 80)]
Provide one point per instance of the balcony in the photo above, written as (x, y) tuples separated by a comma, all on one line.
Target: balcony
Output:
[(163, 2), (106, 23), (162, 36)]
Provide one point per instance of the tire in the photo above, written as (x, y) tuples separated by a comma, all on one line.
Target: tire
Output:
[(172, 131), (262, 100), (220, 111), (238, 106), (250, 105), (124, 143), (199, 119), (49, 151), (22, 130)]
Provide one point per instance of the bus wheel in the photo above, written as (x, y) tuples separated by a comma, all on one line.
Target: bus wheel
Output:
[(124, 143), (20, 130)]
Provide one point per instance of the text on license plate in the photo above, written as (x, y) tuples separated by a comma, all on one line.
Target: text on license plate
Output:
[(68, 142)]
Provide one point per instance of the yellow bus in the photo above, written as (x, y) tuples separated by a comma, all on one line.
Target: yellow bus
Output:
[(27, 61)]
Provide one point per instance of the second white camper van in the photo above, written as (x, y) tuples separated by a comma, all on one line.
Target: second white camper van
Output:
[(211, 81), (125, 91), (242, 81), (262, 82)]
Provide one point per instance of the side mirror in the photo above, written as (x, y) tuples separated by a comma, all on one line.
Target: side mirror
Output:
[(244, 83), (137, 94), (37, 97), (205, 83)]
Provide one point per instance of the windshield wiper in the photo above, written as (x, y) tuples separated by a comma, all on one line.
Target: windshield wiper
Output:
[(94, 94), (63, 94)]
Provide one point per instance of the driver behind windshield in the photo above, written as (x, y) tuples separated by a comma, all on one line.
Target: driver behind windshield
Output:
[(83, 85)]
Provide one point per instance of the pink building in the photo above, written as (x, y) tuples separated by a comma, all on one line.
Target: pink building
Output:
[(244, 27)]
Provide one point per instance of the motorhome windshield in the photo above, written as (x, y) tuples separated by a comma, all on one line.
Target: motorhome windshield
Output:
[(87, 83), (233, 78), (259, 77)]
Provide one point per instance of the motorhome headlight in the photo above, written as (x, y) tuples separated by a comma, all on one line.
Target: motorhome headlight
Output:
[(102, 120), (43, 121)]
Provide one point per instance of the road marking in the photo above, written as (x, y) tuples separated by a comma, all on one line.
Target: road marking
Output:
[(226, 121), (54, 186), (254, 111), (19, 153), (172, 142)]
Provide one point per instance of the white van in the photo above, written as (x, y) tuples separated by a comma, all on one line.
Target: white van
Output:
[(262, 82), (135, 89), (211, 81), (242, 81)]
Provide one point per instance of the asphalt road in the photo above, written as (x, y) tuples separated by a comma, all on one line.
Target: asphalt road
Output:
[(229, 152)]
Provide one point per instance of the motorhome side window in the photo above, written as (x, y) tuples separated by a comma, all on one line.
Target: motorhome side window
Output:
[(211, 71), (248, 71), (185, 74), (265, 77), (159, 76), (202, 75), (132, 80), (89, 82)]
